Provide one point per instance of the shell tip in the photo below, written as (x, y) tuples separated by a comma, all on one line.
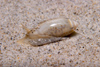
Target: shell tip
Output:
[(75, 24)]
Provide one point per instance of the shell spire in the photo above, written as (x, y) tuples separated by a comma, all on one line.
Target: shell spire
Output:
[(75, 25)]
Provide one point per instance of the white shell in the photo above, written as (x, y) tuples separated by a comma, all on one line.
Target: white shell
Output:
[(49, 31)]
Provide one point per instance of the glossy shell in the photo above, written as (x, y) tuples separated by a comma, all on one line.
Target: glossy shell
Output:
[(49, 31)]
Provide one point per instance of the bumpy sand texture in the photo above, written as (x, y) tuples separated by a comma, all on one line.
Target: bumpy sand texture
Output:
[(77, 50)]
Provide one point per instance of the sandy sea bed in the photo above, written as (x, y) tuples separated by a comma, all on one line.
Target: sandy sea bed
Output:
[(81, 50)]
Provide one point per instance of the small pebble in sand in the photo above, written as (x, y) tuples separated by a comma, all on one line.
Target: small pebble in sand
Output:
[(48, 31)]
